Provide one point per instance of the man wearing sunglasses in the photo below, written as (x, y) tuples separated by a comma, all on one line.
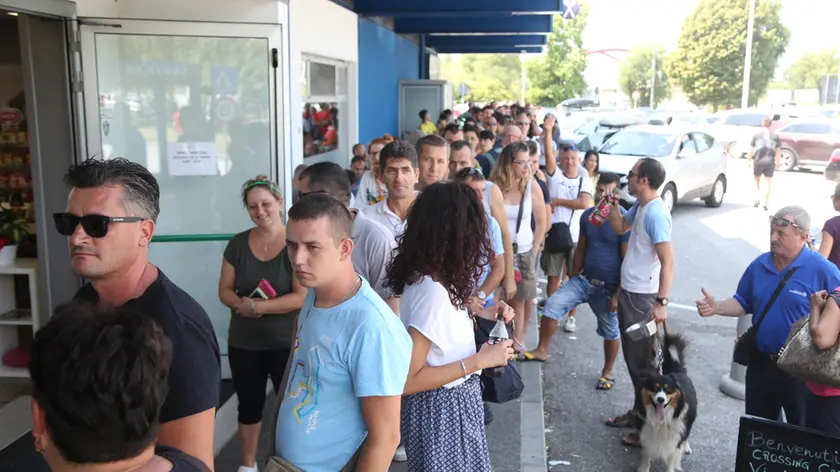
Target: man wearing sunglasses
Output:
[(109, 222), (768, 389)]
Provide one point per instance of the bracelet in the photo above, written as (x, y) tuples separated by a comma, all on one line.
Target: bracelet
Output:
[(253, 309), (463, 368)]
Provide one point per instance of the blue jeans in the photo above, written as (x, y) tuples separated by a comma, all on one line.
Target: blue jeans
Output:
[(577, 291)]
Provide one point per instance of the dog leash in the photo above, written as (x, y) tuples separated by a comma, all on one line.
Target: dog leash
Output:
[(653, 341)]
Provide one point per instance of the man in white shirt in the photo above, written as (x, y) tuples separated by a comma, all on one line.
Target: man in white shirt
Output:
[(571, 193), (372, 242), (432, 160), (398, 161), (647, 271)]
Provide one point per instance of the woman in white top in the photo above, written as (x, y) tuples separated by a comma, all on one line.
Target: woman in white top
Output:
[(512, 174), (371, 187), (438, 263)]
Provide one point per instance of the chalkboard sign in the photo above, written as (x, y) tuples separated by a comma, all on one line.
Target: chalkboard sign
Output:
[(770, 446)]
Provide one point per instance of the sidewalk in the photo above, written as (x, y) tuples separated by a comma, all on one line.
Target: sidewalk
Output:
[(516, 436)]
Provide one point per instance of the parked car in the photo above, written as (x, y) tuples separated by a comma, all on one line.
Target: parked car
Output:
[(832, 170), (593, 134), (808, 143), (738, 126), (695, 163)]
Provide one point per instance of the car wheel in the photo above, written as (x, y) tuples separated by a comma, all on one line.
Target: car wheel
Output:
[(718, 190), (787, 160), (730, 149), (669, 196)]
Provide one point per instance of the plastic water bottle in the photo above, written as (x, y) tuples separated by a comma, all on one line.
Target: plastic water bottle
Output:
[(499, 334)]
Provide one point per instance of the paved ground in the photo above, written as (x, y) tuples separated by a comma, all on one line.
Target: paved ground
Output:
[(713, 247)]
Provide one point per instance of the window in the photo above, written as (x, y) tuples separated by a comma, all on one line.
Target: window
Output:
[(704, 141), (808, 128), (753, 119), (639, 143), (324, 93)]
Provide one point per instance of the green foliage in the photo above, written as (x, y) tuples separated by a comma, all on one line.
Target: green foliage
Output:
[(635, 74), (559, 74), (808, 71), (708, 64), (13, 227), (489, 76)]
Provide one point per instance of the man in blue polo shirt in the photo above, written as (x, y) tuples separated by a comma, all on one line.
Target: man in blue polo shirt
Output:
[(768, 389), (596, 278)]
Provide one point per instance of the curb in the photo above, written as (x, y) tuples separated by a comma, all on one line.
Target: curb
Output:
[(532, 453)]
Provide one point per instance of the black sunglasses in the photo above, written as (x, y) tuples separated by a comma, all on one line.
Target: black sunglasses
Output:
[(96, 226), (469, 172), (782, 223)]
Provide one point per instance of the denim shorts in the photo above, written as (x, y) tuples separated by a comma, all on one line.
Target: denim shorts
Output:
[(577, 291)]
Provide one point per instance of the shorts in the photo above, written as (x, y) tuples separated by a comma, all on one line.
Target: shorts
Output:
[(526, 289), (578, 291), (765, 169), (552, 262)]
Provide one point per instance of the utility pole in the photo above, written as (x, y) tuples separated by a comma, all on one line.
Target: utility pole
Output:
[(837, 89), (745, 90), (524, 77), (652, 75)]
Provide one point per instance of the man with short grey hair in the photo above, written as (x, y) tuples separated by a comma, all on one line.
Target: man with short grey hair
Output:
[(766, 148), (793, 272), (109, 223)]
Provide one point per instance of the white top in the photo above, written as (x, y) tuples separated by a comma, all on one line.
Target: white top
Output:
[(488, 188), (383, 215), (369, 191), (560, 186), (525, 238), (374, 244), (426, 307), (651, 225)]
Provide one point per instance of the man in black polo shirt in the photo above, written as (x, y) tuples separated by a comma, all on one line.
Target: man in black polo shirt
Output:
[(110, 219)]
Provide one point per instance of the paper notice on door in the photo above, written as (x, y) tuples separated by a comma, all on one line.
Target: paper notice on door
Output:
[(194, 158)]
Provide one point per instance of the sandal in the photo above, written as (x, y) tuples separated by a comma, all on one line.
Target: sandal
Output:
[(605, 383), (631, 440), (624, 421), (525, 356)]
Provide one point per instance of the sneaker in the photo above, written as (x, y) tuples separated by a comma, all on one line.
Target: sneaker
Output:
[(400, 455), (541, 304), (570, 326), (242, 468), (756, 204), (764, 208)]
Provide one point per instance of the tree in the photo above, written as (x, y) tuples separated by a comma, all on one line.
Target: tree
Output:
[(635, 74), (808, 71), (709, 61), (559, 74), (489, 76)]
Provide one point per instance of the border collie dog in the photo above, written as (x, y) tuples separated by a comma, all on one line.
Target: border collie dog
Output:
[(666, 406)]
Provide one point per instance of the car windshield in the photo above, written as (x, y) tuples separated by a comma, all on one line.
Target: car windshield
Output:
[(639, 143)]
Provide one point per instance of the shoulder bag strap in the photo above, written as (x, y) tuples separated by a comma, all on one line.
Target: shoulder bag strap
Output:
[(521, 209), (774, 297), (580, 187)]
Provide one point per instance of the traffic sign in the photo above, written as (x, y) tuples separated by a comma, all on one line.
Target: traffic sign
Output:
[(224, 80), (225, 109), (464, 90)]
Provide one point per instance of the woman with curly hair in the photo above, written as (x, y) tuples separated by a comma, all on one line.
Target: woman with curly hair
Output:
[(437, 266), (523, 199)]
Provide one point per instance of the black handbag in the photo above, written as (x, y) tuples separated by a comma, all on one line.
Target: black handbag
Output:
[(559, 240), (509, 385), (746, 347)]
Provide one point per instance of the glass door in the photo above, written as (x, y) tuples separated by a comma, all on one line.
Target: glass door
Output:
[(196, 104)]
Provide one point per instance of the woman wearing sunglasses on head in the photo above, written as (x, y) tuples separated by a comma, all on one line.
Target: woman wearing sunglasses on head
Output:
[(257, 285), (438, 263)]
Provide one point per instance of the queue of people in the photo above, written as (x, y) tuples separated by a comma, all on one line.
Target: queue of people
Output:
[(362, 311)]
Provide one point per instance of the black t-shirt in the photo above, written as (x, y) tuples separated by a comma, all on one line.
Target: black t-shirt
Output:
[(195, 376), (181, 461), (765, 143)]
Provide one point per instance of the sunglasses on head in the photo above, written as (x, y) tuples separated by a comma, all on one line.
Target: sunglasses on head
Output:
[(782, 223), (469, 172), (95, 226)]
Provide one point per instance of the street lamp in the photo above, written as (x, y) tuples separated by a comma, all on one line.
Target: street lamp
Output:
[(745, 89)]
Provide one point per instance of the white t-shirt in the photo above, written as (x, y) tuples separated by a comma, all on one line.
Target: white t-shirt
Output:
[(560, 186), (641, 267), (370, 191), (426, 307), (374, 244), (383, 215)]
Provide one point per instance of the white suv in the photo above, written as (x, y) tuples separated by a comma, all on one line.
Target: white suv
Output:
[(695, 163)]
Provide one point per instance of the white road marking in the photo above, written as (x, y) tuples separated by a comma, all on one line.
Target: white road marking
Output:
[(542, 280), (682, 307)]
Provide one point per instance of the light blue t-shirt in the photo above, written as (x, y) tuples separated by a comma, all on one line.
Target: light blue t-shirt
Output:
[(651, 225), (495, 234), (341, 354)]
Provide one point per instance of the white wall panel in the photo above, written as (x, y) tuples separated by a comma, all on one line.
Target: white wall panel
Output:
[(229, 11)]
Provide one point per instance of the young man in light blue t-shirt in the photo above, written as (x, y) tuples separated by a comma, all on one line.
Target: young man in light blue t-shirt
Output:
[(350, 356)]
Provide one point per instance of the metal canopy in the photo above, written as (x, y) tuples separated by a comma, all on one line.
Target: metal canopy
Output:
[(534, 24), (486, 41), (488, 50), (442, 8)]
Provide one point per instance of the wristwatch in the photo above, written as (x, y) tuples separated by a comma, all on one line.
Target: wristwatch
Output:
[(481, 295), (662, 301)]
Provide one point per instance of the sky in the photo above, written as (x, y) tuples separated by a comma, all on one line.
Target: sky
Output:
[(625, 24)]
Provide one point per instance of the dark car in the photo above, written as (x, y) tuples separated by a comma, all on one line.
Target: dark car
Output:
[(808, 143)]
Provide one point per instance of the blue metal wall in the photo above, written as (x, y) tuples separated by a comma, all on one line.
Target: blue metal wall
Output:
[(384, 59)]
